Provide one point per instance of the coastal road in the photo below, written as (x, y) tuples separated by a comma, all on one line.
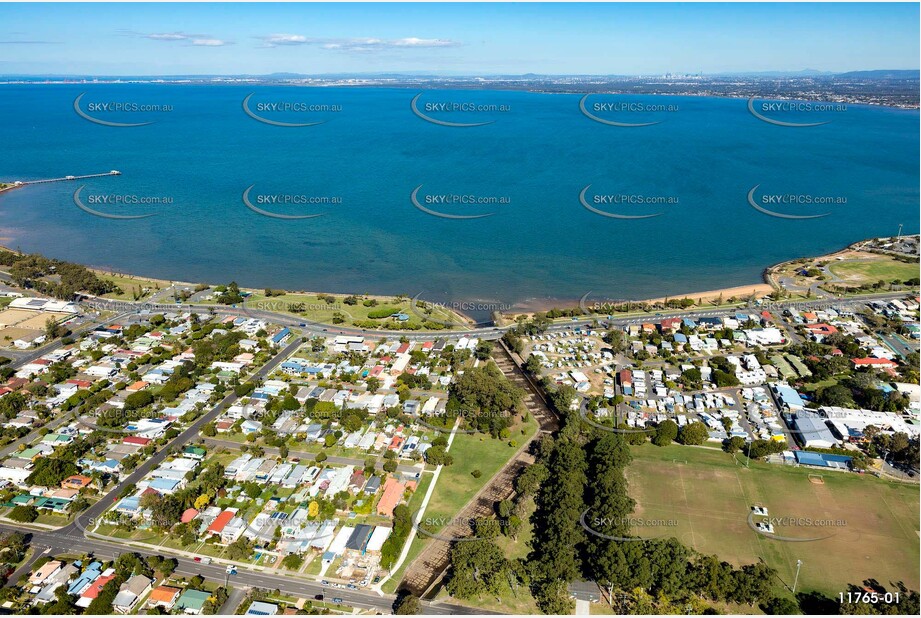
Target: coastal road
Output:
[(494, 332)]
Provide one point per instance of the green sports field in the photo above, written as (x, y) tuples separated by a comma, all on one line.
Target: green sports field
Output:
[(703, 497), (871, 270)]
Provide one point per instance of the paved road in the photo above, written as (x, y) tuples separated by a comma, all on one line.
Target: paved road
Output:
[(488, 332), (86, 519), (26, 567), (234, 599), (26, 357), (34, 435), (70, 540)]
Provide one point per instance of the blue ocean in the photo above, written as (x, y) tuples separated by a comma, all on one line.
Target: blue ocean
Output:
[(366, 153)]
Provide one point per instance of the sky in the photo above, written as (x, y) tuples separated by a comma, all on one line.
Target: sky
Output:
[(605, 39)]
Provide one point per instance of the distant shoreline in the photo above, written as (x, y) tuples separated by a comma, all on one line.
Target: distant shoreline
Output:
[(471, 86)]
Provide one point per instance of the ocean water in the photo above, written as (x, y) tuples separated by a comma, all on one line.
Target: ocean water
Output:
[(540, 244)]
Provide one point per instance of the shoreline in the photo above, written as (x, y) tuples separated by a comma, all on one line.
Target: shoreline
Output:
[(764, 288), (531, 306)]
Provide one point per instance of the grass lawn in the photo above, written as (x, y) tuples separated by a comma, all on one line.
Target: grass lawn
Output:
[(872, 524), (810, 387), (129, 285), (871, 270), (518, 548), (456, 485), (316, 309), (508, 601)]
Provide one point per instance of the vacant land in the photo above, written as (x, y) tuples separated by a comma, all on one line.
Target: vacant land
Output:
[(871, 525)]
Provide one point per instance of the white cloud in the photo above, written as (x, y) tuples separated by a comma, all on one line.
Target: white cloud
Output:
[(274, 40), (358, 44), (197, 40), (167, 36), (208, 42), (414, 42)]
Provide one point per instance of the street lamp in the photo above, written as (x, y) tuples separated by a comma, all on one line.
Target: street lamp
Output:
[(799, 563)]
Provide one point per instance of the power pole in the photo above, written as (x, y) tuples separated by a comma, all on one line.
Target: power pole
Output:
[(799, 563)]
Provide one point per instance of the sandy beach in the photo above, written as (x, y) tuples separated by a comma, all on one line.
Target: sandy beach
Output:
[(739, 291)]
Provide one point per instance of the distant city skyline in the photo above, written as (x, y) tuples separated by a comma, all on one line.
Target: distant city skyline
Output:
[(455, 39)]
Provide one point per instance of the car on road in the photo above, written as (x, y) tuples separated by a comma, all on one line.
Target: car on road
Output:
[(318, 597), (337, 600)]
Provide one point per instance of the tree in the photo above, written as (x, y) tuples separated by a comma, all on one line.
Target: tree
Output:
[(406, 604), (483, 349), (666, 432), (734, 444), (530, 481), (560, 503), (695, 433), (477, 567), (138, 400), (437, 456), (239, 549), (23, 513), (781, 606), (292, 562), (50, 471), (615, 339)]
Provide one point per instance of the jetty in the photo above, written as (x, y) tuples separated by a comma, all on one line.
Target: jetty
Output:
[(22, 183)]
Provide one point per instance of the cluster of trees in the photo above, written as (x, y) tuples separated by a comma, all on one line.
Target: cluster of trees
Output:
[(50, 471), (898, 448), (485, 398), (54, 277), (574, 517), (402, 524), (229, 294), (437, 454), (723, 373), (479, 567), (397, 325)]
